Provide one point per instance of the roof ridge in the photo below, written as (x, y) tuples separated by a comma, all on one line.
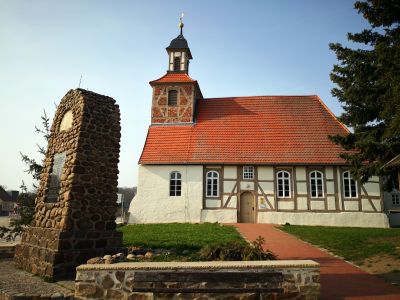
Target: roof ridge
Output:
[(265, 96)]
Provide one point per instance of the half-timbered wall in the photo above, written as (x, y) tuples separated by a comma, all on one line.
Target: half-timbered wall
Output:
[(182, 112), (266, 200)]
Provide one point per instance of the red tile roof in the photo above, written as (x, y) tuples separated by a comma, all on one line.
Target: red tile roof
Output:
[(249, 130), (173, 78)]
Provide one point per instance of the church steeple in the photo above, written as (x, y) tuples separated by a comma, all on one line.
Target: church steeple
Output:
[(179, 53), (175, 94)]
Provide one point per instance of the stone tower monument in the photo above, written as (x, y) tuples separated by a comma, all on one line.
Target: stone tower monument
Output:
[(76, 200)]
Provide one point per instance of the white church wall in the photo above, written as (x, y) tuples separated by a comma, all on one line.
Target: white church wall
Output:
[(352, 219), (219, 215), (230, 172), (228, 186), (302, 203), (301, 173), (285, 205), (317, 205), (265, 173), (302, 188), (246, 186), (329, 172), (372, 188), (330, 187), (331, 202), (232, 202), (213, 203), (152, 203), (268, 187)]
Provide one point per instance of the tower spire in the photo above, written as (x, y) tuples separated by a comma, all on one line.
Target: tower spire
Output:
[(181, 23)]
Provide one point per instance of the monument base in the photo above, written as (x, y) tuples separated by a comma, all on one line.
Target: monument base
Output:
[(56, 253)]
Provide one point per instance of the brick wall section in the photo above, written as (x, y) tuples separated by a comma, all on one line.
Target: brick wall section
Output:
[(301, 280), (81, 223), (183, 112)]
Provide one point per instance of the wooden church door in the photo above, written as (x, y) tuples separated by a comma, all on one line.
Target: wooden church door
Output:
[(247, 208)]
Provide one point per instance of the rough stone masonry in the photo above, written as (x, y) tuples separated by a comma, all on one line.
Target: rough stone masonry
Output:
[(76, 199)]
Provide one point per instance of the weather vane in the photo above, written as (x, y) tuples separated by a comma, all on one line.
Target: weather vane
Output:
[(181, 22)]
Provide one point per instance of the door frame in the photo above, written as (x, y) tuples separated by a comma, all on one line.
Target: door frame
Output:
[(255, 213)]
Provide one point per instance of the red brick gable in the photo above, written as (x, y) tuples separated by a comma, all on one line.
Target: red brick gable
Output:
[(249, 130)]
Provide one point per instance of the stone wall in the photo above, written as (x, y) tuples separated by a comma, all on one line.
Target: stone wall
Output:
[(117, 281), (76, 199)]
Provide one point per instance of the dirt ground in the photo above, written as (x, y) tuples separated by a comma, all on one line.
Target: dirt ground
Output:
[(385, 266)]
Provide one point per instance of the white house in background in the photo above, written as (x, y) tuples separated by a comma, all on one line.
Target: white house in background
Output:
[(261, 159), (392, 199)]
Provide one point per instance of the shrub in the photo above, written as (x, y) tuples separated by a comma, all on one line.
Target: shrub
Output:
[(237, 251)]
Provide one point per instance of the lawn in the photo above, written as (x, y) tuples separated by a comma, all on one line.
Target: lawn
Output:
[(353, 244), (178, 236)]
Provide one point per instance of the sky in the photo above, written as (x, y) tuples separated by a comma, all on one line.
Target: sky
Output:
[(239, 48)]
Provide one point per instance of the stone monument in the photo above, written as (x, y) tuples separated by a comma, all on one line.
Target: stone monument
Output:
[(76, 200)]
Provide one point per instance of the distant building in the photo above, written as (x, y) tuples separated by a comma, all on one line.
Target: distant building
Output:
[(8, 201), (258, 159), (392, 199)]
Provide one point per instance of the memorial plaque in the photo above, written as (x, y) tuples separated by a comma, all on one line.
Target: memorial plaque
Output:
[(54, 181)]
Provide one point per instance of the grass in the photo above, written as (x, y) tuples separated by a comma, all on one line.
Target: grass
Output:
[(181, 237), (354, 244)]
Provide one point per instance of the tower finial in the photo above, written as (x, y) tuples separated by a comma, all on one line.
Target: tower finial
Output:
[(181, 23)]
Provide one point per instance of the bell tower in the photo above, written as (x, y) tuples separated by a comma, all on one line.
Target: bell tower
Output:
[(179, 53), (175, 94)]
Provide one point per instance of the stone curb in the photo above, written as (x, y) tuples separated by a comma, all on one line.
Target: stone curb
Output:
[(202, 265)]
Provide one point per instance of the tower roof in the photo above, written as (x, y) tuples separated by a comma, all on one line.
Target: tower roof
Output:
[(179, 43)]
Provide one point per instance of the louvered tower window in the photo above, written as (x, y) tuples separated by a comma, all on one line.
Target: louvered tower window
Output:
[(177, 64), (172, 97)]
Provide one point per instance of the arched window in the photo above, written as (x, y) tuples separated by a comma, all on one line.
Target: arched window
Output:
[(172, 97), (177, 64), (317, 184), (350, 185), (284, 190), (175, 184), (212, 180)]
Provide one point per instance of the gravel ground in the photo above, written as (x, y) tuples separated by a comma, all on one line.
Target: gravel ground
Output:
[(16, 281)]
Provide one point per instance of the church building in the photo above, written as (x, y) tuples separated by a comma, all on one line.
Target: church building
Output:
[(258, 159)]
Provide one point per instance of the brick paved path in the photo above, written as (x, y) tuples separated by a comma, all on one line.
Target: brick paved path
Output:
[(339, 279)]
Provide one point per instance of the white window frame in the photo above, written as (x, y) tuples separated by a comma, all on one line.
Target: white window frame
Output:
[(395, 199), (314, 182), (248, 172), (174, 178), (347, 179), (211, 192), (280, 176)]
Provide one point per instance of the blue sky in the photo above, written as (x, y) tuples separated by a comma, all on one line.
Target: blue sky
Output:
[(239, 48)]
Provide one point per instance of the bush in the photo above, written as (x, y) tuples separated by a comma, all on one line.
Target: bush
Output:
[(237, 251)]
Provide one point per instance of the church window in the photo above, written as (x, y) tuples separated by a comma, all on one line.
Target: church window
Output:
[(175, 184), (317, 184), (350, 185), (283, 184), (212, 183), (248, 172), (177, 64), (172, 97)]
